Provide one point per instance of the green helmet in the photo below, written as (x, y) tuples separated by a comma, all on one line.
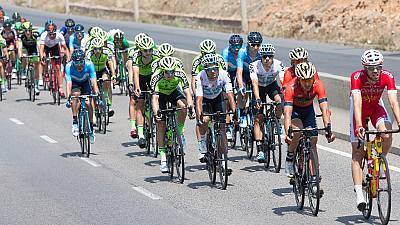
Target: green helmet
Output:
[(97, 43), (27, 26), (146, 43), (94, 31), (102, 35), (207, 46), (139, 37), (167, 63), (165, 49)]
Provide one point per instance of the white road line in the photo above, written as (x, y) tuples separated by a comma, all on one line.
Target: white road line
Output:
[(16, 121), (48, 139), (348, 155), (146, 193), (91, 162)]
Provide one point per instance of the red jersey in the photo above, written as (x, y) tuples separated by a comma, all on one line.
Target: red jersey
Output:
[(295, 96), (371, 92), (290, 75)]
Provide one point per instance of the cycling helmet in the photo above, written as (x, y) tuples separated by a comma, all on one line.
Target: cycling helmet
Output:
[(102, 35), (165, 50), (235, 39), (267, 49), (298, 53), (167, 63), (372, 57), (78, 55), (51, 28), (7, 24), (16, 17), (2, 13), (146, 43), (79, 28), (27, 26), (138, 37), (254, 37), (305, 70), (69, 22), (209, 60), (94, 31), (97, 43), (207, 46)]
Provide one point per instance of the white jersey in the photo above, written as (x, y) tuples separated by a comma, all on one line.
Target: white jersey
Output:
[(45, 39), (265, 78), (211, 89)]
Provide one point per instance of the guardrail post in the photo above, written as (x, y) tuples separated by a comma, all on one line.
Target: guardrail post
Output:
[(243, 9), (66, 6), (30, 3), (136, 10)]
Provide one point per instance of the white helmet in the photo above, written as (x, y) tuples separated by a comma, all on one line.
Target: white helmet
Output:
[(372, 57), (138, 37), (146, 43), (165, 49), (167, 63), (207, 46), (209, 60), (305, 70), (267, 49), (298, 53)]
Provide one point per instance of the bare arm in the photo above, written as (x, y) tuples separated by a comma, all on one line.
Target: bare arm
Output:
[(155, 104), (394, 103), (326, 117), (231, 101), (357, 104), (287, 117)]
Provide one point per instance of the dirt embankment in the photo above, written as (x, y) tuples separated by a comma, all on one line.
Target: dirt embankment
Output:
[(356, 22)]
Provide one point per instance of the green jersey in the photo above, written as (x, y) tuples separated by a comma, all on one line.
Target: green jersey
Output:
[(197, 67), (100, 62), (144, 69), (161, 85)]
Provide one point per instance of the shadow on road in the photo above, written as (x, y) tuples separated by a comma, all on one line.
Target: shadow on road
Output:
[(237, 158), (48, 103), (281, 211), (197, 185), (152, 163), (157, 179), (195, 168), (253, 169), (71, 154), (358, 219), (136, 154), (129, 144), (22, 100), (282, 192)]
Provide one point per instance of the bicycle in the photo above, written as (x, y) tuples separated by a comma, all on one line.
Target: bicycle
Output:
[(306, 166), (246, 133), (123, 77), (52, 78), (84, 124), (174, 147), (102, 111), (30, 78), (376, 170), (234, 125), (217, 156), (3, 59), (149, 129), (8, 69)]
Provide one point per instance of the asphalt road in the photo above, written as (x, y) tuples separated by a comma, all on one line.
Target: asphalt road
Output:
[(44, 181), (330, 58)]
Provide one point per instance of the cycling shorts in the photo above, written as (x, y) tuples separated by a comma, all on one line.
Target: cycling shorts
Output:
[(215, 105), (99, 74), (307, 117), (84, 88), (144, 83), (173, 98), (53, 51)]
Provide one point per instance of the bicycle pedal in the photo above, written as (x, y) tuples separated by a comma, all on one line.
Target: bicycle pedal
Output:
[(229, 172), (203, 160), (291, 181)]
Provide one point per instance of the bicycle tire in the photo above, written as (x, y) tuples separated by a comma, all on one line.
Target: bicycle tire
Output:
[(210, 160), (267, 144), (1, 91), (179, 158), (170, 161), (28, 85), (314, 194), (9, 82), (88, 129), (32, 83), (298, 184), (366, 187), (248, 143), (153, 133), (104, 120), (99, 121), (232, 142), (222, 162), (276, 145), (82, 139), (384, 217)]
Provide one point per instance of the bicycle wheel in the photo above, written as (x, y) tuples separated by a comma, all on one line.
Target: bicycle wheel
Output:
[(153, 133), (1, 90), (384, 199), (179, 161), (366, 187), (82, 139), (87, 130), (222, 162), (297, 180), (313, 188), (99, 120), (248, 142), (9, 82), (232, 142), (170, 161), (31, 77), (210, 160), (104, 118), (276, 145), (267, 144)]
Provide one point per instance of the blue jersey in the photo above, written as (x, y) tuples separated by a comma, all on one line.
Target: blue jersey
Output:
[(244, 60), (64, 32), (74, 42), (74, 76), (230, 60)]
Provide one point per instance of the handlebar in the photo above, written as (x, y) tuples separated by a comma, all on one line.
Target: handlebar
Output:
[(217, 114), (308, 130)]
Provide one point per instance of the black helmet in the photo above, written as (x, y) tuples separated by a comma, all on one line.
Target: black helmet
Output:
[(236, 39), (16, 17), (254, 37), (69, 22), (78, 55), (51, 27), (7, 24), (79, 28)]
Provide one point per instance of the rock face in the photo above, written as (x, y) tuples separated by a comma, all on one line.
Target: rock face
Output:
[(374, 23)]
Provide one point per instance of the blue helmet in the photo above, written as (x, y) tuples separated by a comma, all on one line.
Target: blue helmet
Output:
[(235, 39), (254, 37), (79, 28), (78, 55)]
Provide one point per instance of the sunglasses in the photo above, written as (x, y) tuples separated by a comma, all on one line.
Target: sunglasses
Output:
[(79, 63), (169, 72), (147, 50), (236, 47), (267, 57), (373, 68), (52, 34), (211, 68), (305, 81), (255, 45), (98, 49)]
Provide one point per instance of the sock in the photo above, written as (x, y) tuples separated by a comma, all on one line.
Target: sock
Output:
[(162, 154), (360, 196), (140, 131), (91, 126), (181, 128), (203, 137), (74, 119), (289, 156), (133, 124), (242, 112)]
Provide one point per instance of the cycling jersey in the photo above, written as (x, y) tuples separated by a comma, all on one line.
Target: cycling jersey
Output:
[(265, 78), (75, 43), (144, 69), (159, 84), (100, 62), (75, 76), (45, 40), (124, 45), (211, 89), (244, 60), (30, 44), (197, 67), (290, 75), (295, 96), (154, 65), (10, 36), (230, 59)]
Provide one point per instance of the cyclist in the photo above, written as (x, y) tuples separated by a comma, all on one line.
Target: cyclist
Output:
[(166, 50), (296, 55), (299, 109), (52, 43), (211, 83), (3, 17), (141, 74), (121, 43), (68, 30), (76, 40), (10, 35), (29, 41), (3, 62), (81, 77), (246, 55), (167, 84), (367, 86), (100, 57), (264, 75)]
